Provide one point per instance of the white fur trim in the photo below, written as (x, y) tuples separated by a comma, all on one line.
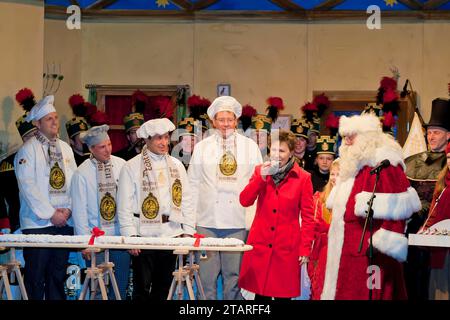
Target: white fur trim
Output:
[(359, 124), (395, 157), (391, 243), (330, 199), (389, 206), (342, 192), (391, 151)]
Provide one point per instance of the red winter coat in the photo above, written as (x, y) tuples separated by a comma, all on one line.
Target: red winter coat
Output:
[(272, 268), (439, 211), (318, 259)]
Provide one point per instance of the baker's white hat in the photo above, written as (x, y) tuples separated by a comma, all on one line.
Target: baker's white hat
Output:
[(41, 109), (154, 127), (224, 103)]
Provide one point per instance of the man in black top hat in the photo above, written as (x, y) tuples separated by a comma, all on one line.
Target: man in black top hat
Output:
[(422, 170)]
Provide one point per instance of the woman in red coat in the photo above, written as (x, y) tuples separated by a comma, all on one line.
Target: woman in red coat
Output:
[(439, 286), (284, 191)]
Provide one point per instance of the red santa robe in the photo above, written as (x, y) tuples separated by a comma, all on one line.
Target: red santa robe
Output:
[(347, 275)]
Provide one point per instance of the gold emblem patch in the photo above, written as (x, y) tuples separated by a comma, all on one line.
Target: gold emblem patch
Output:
[(108, 207), (324, 146), (57, 177), (82, 126), (259, 124), (177, 192), (228, 164), (150, 207), (299, 129)]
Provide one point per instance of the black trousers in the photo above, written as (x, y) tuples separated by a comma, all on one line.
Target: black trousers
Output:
[(152, 274), (45, 268), (417, 267)]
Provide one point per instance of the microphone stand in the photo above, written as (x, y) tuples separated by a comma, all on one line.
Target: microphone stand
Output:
[(369, 221)]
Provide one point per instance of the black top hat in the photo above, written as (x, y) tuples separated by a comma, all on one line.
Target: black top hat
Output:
[(440, 114)]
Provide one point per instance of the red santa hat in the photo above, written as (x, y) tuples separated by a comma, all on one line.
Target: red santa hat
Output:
[(359, 124)]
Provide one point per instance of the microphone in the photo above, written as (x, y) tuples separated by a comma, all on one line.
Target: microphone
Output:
[(404, 90), (383, 164)]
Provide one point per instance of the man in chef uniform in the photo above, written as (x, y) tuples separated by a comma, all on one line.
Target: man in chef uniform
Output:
[(220, 168), (154, 200), (44, 167)]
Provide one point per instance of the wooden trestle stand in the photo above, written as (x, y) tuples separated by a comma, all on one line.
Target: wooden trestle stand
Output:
[(9, 271), (98, 276), (185, 276)]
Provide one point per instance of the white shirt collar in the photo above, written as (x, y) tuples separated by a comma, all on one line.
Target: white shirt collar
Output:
[(219, 136), (156, 157)]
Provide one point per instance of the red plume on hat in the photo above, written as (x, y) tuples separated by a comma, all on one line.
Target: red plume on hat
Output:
[(322, 102), (98, 118), (77, 103), (246, 117), (387, 96), (275, 104), (139, 100), (197, 106), (194, 101), (25, 98), (248, 111), (388, 121), (164, 106), (90, 109), (388, 83), (310, 110), (332, 123), (197, 101), (390, 96)]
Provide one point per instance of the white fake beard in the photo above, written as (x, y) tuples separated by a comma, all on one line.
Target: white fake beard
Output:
[(354, 157)]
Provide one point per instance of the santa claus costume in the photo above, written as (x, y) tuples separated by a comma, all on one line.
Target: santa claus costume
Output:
[(347, 276)]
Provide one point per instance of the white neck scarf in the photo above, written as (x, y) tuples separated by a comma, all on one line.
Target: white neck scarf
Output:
[(106, 191), (149, 208), (57, 186)]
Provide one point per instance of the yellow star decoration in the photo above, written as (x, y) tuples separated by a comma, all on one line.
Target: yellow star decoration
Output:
[(390, 2), (163, 3)]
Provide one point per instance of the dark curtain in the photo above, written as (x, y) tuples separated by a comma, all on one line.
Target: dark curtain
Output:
[(117, 107)]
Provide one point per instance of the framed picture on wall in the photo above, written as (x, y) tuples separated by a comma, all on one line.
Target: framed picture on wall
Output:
[(283, 122), (223, 89)]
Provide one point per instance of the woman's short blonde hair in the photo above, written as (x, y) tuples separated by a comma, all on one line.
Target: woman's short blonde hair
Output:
[(286, 136)]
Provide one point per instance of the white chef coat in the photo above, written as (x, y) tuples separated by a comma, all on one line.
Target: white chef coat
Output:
[(216, 208), (129, 199), (84, 192), (32, 172)]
